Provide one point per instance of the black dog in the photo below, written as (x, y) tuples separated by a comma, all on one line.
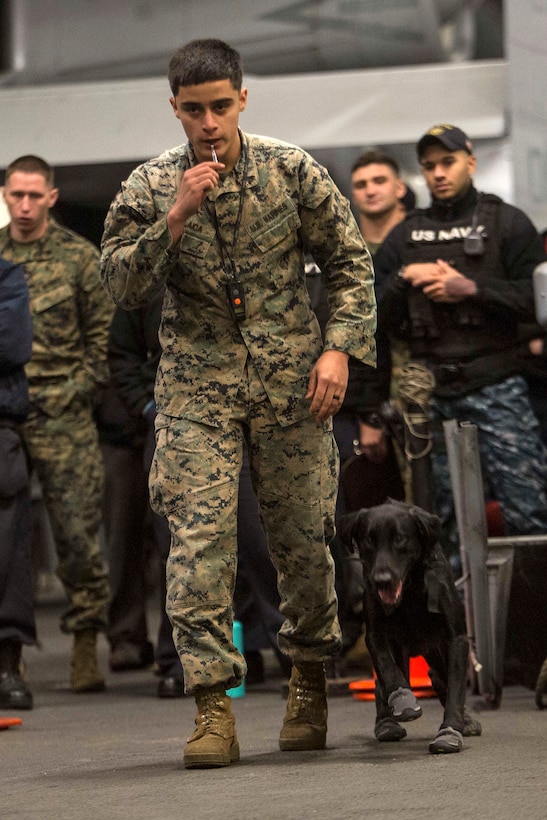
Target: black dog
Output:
[(411, 607)]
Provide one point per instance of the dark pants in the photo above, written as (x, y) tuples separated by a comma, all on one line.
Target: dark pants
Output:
[(126, 512), (256, 599), (17, 622), (124, 509), (167, 657), (513, 459)]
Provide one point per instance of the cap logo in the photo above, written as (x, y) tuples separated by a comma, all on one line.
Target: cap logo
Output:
[(439, 129)]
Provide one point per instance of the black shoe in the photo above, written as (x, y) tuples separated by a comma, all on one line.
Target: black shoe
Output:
[(14, 692), (126, 656), (170, 687)]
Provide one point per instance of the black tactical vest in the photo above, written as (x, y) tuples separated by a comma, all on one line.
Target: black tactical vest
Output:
[(433, 327)]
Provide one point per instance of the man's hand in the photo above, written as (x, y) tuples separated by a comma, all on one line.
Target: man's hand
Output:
[(195, 185), (440, 281), (536, 346), (327, 384), (420, 274), (372, 442)]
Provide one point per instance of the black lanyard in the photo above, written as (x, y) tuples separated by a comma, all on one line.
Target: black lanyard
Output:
[(234, 288), (227, 254)]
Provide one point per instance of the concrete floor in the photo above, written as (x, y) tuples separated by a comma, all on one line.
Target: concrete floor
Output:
[(118, 754)]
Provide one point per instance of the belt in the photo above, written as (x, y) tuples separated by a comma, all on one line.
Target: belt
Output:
[(490, 369)]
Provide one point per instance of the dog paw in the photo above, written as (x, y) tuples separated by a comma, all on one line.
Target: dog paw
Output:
[(471, 727), (388, 730), (403, 705), (447, 741)]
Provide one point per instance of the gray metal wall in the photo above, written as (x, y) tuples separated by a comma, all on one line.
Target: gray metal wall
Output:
[(526, 33)]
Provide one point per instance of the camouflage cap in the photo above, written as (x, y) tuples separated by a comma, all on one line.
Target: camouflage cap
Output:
[(451, 137)]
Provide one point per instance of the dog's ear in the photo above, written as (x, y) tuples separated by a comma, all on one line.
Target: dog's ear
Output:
[(351, 528), (429, 527)]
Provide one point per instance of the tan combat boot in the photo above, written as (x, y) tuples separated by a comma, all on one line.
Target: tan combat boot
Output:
[(214, 742), (305, 723), (84, 668)]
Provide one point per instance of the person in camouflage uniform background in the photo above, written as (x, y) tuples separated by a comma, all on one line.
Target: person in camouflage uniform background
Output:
[(71, 316), (209, 230)]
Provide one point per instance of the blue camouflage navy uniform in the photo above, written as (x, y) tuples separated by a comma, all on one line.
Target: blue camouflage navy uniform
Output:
[(220, 380), (71, 316), (472, 347)]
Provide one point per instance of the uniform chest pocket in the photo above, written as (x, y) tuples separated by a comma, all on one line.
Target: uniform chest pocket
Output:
[(276, 230), (51, 299), (194, 244), (55, 314)]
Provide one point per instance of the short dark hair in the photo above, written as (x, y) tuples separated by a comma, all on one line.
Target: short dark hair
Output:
[(374, 157), (30, 164), (205, 61)]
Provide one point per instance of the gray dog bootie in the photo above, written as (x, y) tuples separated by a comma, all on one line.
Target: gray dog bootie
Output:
[(403, 705), (446, 741)]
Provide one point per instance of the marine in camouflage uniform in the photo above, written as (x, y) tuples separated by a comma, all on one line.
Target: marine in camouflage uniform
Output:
[(220, 380), (71, 316)]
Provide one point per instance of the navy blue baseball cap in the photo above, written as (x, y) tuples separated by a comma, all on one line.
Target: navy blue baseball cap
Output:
[(450, 137)]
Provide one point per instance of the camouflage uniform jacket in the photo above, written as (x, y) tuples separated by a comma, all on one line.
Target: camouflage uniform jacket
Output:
[(290, 206), (71, 316)]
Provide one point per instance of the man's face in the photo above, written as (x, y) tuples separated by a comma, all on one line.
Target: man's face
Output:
[(447, 173), (209, 114), (28, 197), (376, 189)]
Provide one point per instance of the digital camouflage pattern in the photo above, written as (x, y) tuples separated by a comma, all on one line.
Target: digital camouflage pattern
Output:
[(65, 453), (194, 483), (290, 205), (71, 317), (218, 377), (513, 459)]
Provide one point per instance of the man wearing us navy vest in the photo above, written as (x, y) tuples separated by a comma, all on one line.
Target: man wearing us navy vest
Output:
[(455, 281)]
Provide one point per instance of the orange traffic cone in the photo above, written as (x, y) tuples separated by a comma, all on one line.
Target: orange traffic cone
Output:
[(5, 722), (420, 682)]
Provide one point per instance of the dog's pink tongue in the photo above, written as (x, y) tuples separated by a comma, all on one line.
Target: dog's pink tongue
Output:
[(391, 596)]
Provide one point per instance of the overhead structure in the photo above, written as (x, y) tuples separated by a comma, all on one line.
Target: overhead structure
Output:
[(56, 41), (526, 35), (126, 120)]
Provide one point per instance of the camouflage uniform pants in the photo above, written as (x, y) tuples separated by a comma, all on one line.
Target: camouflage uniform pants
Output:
[(65, 454), (513, 459), (194, 482)]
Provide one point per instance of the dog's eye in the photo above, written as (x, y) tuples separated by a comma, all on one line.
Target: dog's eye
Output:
[(400, 543)]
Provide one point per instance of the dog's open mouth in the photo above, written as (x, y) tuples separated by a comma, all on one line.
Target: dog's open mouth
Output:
[(390, 594)]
